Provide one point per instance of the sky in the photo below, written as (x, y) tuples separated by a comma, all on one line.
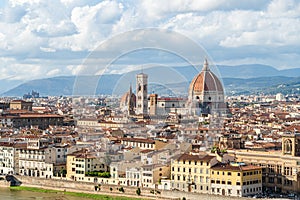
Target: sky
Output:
[(46, 38)]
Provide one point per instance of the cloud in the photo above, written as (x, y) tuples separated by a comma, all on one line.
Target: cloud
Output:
[(53, 72), (52, 37)]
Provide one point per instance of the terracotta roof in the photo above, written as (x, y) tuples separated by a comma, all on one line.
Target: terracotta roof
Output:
[(189, 157), (141, 140), (228, 167), (146, 151)]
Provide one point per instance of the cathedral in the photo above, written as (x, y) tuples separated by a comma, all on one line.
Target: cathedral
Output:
[(206, 93), (205, 96)]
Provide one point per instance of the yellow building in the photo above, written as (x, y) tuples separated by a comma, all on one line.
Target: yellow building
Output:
[(191, 173), (236, 179)]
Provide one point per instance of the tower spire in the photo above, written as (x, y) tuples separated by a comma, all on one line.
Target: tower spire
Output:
[(130, 88), (205, 65)]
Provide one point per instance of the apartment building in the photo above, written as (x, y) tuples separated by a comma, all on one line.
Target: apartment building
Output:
[(7, 155), (236, 179), (81, 162), (191, 173), (153, 174), (32, 160)]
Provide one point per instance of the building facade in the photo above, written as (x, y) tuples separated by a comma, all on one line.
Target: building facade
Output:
[(280, 169), (236, 179), (191, 173), (7, 158)]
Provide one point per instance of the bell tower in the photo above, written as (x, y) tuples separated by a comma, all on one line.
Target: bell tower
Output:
[(141, 94)]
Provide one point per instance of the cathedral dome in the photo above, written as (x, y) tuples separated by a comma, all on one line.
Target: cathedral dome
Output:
[(206, 81), (128, 96)]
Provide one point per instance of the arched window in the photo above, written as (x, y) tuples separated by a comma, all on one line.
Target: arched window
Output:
[(288, 147)]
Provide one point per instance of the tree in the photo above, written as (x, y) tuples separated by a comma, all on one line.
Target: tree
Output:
[(138, 191)]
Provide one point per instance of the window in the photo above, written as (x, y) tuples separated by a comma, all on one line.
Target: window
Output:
[(238, 183), (229, 173), (239, 174), (223, 182)]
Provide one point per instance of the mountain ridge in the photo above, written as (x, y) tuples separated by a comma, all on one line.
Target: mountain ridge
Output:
[(235, 81)]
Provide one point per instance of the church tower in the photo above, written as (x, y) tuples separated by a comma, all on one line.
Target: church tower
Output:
[(141, 94)]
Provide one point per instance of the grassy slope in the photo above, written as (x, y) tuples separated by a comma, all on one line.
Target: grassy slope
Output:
[(75, 194)]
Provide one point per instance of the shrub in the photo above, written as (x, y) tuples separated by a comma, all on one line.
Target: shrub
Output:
[(122, 189), (138, 191), (98, 174)]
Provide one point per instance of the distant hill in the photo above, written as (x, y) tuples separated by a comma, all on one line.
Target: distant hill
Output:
[(167, 81), (242, 71), (7, 84)]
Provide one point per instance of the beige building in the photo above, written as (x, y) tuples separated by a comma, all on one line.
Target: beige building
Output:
[(153, 174), (20, 105), (280, 168), (79, 163)]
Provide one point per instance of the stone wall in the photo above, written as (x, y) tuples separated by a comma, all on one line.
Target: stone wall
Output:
[(4, 184), (105, 189), (195, 196), (73, 186)]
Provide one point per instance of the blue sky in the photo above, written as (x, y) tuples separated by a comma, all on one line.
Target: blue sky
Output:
[(45, 38)]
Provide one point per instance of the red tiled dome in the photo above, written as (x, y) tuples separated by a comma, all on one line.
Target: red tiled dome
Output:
[(206, 81)]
